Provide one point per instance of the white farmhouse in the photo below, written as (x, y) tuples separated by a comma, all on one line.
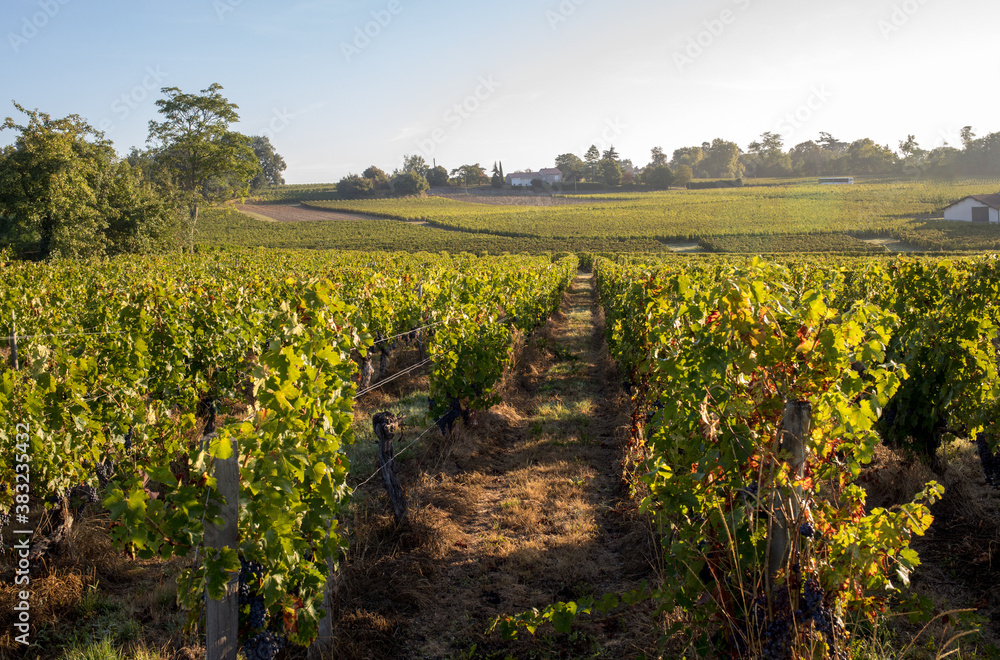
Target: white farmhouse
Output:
[(550, 176), (976, 208)]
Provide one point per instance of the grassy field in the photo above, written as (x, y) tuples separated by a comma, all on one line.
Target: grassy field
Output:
[(770, 216), (867, 209), (230, 227)]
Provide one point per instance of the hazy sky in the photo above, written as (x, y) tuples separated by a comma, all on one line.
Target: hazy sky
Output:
[(339, 86)]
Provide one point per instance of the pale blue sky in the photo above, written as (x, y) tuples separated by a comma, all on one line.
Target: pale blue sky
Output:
[(521, 81)]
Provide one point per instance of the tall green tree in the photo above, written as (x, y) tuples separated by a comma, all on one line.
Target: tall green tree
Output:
[(658, 158), (65, 193), (832, 144), (271, 163), (658, 177), (472, 175), (208, 162), (768, 156), (807, 158), (592, 157), (866, 157), (690, 156), (722, 160), (610, 172), (437, 176), (572, 168), (417, 164), (683, 174)]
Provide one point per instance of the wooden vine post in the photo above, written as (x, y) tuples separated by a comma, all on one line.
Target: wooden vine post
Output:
[(13, 343), (422, 333), (386, 425), (222, 616), (798, 420), (320, 648)]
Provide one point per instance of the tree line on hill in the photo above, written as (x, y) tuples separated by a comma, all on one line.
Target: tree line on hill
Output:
[(415, 177), (767, 157), (718, 159), (65, 192)]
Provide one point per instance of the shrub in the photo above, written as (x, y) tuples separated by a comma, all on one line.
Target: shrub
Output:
[(353, 186), (409, 183), (722, 183)]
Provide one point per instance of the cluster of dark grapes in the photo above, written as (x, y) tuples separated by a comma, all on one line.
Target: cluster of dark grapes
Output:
[(990, 461), (812, 607), (781, 632), (5, 519), (86, 493), (56, 497), (104, 471), (263, 646), (258, 613), (251, 574)]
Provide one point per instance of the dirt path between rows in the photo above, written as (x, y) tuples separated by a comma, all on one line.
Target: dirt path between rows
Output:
[(523, 509), (298, 213)]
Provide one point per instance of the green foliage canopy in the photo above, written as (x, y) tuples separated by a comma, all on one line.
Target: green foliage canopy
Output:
[(65, 193), (199, 153)]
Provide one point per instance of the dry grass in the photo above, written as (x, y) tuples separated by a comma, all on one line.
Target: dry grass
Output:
[(88, 593), (960, 554), (518, 509)]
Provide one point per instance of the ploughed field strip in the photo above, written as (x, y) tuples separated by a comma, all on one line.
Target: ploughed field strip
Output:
[(547, 522), (297, 213), (527, 509)]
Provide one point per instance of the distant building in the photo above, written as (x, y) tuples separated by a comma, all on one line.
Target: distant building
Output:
[(837, 180), (550, 176), (976, 208)]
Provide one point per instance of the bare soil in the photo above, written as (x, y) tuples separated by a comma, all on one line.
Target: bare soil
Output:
[(686, 248), (523, 508), (299, 213), (960, 554), (891, 244), (514, 200)]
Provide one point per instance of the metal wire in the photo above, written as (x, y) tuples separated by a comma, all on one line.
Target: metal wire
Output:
[(392, 378), (64, 334), (394, 456), (403, 334)]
